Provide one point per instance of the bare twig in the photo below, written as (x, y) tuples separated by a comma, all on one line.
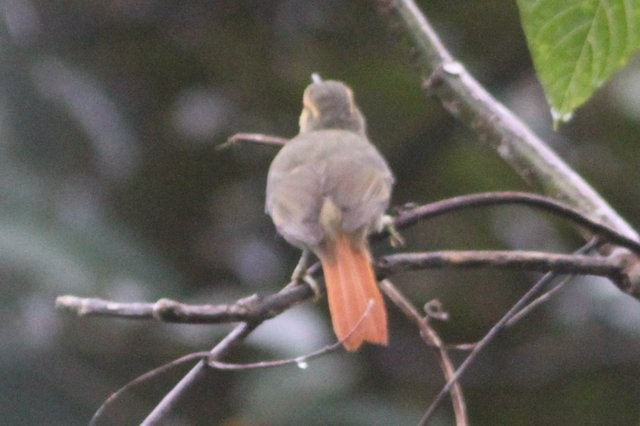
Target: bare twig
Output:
[(526, 260), (432, 339), (544, 297), (258, 138), (252, 308), (591, 245), (99, 414), (257, 307), (197, 373), (260, 308), (206, 358), (517, 308), (409, 216), (91, 306)]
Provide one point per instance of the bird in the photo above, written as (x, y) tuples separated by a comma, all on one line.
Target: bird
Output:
[(327, 189)]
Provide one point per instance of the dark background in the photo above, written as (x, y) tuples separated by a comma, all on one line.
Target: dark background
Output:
[(110, 187)]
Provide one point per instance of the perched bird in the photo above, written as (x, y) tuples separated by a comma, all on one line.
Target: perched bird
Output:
[(327, 189)]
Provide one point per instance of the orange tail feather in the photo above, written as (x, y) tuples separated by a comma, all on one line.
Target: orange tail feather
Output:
[(351, 284)]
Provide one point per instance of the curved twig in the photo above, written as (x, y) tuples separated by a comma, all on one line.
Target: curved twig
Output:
[(409, 216), (517, 309), (206, 360), (431, 338), (239, 333), (197, 373)]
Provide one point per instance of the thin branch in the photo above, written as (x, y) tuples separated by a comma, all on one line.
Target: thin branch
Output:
[(432, 339), (478, 347), (257, 138), (261, 308), (526, 260), (81, 306), (205, 357), (181, 390), (194, 356), (516, 309), (467, 100), (252, 308), (196, 374), (258, 307), (543, 298), (301, 360), (409, 216), (591, 245)]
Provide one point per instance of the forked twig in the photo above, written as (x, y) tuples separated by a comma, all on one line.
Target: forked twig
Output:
[(493, 332), (207, 359), (538, 301), (411, 215), (161, 411), (236, 335), (432, 339)]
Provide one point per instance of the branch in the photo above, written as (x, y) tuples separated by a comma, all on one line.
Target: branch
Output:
[(196, 374), (205, 357), (258, 308), (409, 216), (518, 309), (511, 259), (467, 100), (181, 390), (626, 257), (432, 339), (248, 309)]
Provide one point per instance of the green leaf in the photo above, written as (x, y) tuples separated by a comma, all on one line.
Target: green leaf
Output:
[(577, 45)]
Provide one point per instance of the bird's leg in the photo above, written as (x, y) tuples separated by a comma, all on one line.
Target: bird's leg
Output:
[(300, 275), (301, 268), (395, 239)]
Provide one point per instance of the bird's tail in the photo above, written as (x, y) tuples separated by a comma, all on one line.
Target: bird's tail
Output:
[(351, 286)]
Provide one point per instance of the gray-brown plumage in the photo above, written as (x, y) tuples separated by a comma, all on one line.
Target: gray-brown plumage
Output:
[(327, 189)]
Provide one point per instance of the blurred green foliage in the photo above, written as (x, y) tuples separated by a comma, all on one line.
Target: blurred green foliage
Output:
[(110, 186)]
